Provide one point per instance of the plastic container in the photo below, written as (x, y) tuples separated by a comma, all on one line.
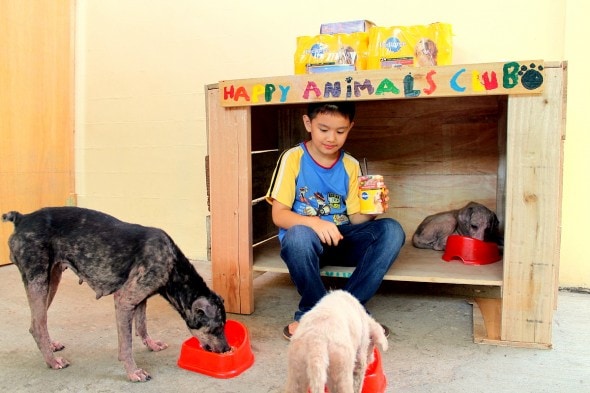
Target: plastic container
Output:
[(471, 251), (371, 189), (219, 365), (375, 380)]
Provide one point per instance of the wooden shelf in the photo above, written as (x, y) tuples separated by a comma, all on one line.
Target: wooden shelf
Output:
[(413, 264)]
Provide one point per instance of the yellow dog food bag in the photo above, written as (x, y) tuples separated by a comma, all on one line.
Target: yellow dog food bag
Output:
[(331, 53), (419, 45)]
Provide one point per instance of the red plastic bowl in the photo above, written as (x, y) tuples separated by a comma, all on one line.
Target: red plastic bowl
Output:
[(375, 380), (219, 365), (471, 251)]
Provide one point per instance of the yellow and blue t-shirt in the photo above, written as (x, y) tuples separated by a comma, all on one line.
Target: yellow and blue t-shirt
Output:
[(310, 189)]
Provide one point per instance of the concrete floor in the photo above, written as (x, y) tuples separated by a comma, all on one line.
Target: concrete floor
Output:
[(431, 346)]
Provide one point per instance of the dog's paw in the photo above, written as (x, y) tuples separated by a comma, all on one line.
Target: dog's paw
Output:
[(57, 346), (58, 363), (155, 345), (139, 375)]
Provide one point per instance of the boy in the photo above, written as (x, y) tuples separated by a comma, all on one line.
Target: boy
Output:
[(315, 204)]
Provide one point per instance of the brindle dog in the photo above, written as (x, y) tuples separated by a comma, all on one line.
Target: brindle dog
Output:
[(130, 261), (473, 220)]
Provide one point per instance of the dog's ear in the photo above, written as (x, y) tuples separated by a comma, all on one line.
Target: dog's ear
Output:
[(495, 222), (464, 219), (494, 232), (203, 306)]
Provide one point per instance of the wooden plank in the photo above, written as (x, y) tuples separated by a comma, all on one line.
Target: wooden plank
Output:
[(412, 265), (502, 165), (244, 174), (486, 314), (230, 189), (437, 136), (533, 200), (491, 312), (512, 77), (479, 327), (486, 325), (561, 74)]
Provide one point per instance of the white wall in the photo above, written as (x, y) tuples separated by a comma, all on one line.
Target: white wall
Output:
[(142, 67)]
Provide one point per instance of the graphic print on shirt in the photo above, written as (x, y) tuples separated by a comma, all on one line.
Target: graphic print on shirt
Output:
[(317, 204), (302, 192)]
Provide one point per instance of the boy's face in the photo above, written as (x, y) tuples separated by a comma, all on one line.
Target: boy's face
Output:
[(328, 133)]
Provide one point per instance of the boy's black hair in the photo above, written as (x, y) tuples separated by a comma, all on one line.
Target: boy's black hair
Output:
[(345, 108)]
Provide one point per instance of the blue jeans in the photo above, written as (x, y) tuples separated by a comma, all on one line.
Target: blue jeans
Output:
[(370, 247)]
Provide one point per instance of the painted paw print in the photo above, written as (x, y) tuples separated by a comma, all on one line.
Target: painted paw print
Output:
[(531, 78), (348, 80)]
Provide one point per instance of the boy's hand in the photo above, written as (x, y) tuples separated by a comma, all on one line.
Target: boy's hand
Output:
[(385, 199), (327, 231)]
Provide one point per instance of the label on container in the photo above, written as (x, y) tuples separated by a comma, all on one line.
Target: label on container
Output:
[(371, 189)]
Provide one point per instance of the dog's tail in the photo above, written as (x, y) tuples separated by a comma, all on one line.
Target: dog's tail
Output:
[(317, 367), (13, 217), (377, 335)]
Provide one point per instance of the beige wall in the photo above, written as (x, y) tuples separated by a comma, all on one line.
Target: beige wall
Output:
[(142, 67), (575, 258)]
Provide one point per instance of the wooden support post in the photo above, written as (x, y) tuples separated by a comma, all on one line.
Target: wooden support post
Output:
[(533, 198), (230, 200)]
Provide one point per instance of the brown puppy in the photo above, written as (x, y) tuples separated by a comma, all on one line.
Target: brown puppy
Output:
[(473, 220)]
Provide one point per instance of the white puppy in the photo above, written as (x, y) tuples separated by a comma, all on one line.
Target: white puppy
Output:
[(333, 345)]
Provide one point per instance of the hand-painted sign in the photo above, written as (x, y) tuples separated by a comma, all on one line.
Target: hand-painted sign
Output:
[(509, 78)]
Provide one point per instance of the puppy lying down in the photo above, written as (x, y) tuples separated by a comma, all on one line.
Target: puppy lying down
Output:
[(333, 345), (473, 220)]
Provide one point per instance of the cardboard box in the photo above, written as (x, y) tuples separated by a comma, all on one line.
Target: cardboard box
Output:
[(353, 26)]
